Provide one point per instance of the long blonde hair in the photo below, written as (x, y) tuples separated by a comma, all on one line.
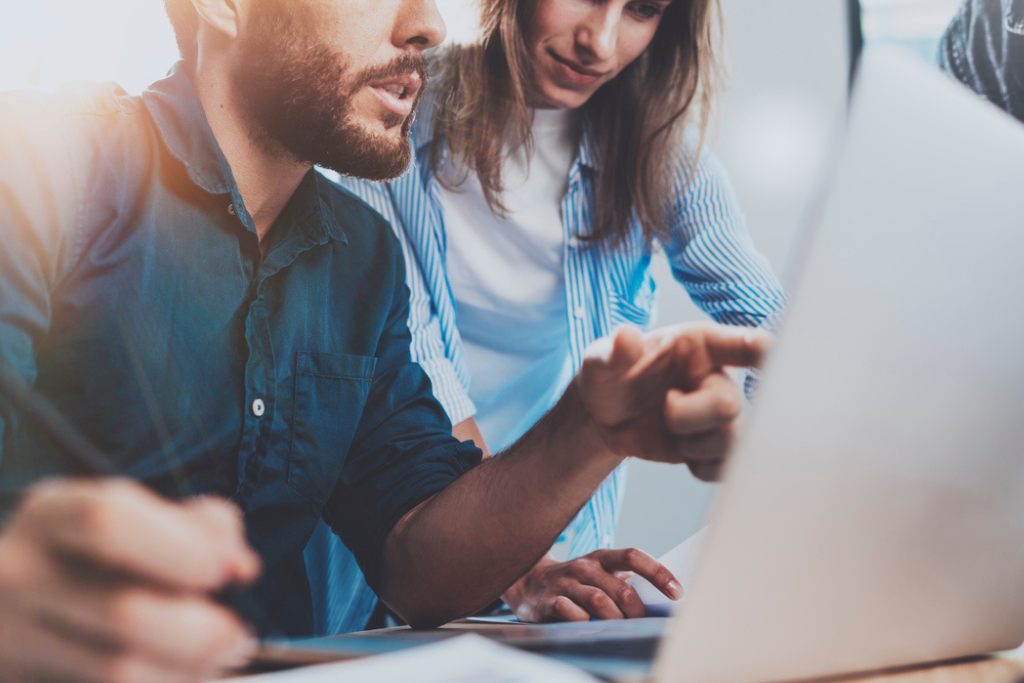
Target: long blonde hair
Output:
[(637, 118)]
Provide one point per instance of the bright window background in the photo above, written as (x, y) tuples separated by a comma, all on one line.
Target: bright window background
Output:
[(46, 43)]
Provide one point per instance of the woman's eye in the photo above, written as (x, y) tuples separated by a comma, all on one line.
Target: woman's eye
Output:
[(646, 11)]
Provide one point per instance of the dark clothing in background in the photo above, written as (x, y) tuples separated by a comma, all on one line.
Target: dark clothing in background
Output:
[(134, 295), (984, 48)]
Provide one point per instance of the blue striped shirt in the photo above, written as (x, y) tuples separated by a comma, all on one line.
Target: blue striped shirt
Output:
[(709, 249)]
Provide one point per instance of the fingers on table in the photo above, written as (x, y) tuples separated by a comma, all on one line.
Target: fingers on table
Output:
[(562, 608), (642, 564), (122, 526), (593, 585)]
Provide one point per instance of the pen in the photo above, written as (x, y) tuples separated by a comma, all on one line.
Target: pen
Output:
[(90, 461)]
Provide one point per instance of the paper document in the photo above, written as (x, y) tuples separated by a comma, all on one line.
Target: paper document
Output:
[(466, 659), (680, 561)]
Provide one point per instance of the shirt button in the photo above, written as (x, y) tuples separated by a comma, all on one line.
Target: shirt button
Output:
[(258, 408), (574, 242), (231, 210), (580, 312)]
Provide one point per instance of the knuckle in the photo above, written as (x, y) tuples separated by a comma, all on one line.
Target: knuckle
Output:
[(599, 600), (95, 517), (40, 497), (562, 607), (13, 569), (687, 342), (221, 634), (121, 668), (631, 555), (626, 596), (220, 512), (727, 403), (126, 611), (579, 568)]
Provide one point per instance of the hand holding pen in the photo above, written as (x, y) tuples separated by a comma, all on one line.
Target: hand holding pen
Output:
[(103, 580)]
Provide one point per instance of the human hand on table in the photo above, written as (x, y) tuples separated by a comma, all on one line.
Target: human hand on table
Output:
[(666, 396), (103, 581), (589, 586)]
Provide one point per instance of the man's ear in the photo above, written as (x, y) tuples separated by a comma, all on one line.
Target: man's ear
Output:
[(223, 16)]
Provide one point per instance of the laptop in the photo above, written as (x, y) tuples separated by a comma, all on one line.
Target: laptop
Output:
[(873, 514)]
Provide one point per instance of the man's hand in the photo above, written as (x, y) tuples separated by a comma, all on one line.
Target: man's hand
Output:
[(588, 586), (103, 581), (665, 396)]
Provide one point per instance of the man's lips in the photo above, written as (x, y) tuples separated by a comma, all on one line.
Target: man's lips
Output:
[(574, 72), (398, 94)]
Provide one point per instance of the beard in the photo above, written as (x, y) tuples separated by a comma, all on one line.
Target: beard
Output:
[(298, 94)]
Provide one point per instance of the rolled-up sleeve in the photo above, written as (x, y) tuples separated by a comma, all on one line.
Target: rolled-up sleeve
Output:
[(403, 452)]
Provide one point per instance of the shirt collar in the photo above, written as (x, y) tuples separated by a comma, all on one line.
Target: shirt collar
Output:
[(319, 217), (181, 120), (179, 116)]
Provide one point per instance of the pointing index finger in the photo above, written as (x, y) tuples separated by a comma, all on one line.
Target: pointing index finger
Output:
[(736, 346)]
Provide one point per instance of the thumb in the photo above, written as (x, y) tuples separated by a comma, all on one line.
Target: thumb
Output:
[(616, 353)]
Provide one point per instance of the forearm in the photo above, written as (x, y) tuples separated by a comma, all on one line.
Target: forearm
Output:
[(464, 547)]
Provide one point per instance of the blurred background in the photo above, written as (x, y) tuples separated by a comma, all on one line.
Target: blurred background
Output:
[(789, 63)]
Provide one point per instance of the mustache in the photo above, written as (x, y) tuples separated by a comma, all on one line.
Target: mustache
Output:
[(407, 63)]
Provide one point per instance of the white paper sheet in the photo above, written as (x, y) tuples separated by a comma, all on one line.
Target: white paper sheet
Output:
[(466, 659), (681, 561)]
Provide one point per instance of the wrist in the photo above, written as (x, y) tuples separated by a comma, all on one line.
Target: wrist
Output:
[(587, 437), (589, 434)]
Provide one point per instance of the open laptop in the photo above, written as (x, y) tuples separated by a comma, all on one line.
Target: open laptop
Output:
[(873, 515)]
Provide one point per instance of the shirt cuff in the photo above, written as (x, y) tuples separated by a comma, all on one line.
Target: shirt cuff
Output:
[(448, 389)]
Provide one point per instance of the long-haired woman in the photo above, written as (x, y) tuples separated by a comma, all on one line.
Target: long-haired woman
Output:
[(551, 157)]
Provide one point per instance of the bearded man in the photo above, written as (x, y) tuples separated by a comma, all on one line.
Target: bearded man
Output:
[(227, 325)]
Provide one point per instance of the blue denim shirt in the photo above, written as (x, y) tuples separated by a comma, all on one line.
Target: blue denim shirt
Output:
[(984, 48), (135, 296)]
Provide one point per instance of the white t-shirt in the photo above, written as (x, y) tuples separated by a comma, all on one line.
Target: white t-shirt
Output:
[(508, 280)]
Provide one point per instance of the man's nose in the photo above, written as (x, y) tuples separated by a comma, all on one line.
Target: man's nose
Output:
[(419, 24)]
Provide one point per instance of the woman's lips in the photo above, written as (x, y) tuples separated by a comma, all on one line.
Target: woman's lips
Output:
[(572, 73)]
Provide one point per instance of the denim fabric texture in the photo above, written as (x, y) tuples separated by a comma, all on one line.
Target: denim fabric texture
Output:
[(984, 49), (135, 296)]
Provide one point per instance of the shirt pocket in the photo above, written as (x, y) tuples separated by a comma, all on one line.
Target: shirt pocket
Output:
[(330, 393), (636, 310)]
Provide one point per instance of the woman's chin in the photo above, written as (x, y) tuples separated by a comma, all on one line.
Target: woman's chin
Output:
[(554, 97)]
